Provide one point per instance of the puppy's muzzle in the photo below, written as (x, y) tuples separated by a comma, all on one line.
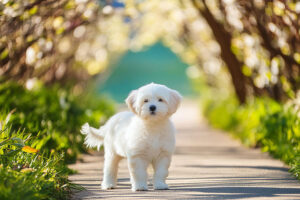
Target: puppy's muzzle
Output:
[(152, 109)]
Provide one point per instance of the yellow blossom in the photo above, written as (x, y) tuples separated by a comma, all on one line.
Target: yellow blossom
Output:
[(29, 149)]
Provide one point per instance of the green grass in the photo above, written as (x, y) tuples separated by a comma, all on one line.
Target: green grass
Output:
[(263, 123), (39, 135)]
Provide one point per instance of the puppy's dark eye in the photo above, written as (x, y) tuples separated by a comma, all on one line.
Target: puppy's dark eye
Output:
[(146, 100), (160, 100)]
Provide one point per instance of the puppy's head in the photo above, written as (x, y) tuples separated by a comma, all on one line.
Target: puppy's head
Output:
[(153, 101)]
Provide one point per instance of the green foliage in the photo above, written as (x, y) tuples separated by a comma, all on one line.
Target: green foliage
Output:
[(39, 136), (26, 173), (260, 123), (53, 115), (34, 177)]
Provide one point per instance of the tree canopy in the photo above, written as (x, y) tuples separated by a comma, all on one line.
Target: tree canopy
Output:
[(255, 42)]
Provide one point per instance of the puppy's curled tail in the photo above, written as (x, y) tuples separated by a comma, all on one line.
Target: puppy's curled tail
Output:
[(94, 137)]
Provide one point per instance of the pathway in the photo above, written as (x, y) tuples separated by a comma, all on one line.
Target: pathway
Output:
[(207, 164)]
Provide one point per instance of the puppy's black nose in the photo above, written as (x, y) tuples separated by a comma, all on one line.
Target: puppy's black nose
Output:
[(152, 108)]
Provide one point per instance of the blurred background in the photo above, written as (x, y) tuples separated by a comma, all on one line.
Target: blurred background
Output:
[(154, 64), (66, 62)]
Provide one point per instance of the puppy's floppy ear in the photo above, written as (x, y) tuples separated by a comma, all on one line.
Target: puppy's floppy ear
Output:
[(130, 101), (174, 101)]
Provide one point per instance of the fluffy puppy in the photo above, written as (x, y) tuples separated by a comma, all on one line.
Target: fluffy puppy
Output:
[(144, 136)]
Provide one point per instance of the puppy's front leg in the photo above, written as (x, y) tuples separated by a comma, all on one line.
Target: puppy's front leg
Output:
[(161, 166), (138, 173)]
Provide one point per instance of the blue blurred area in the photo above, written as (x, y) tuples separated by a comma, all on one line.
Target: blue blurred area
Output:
[(155, 64), (117, 4), (113, 3)]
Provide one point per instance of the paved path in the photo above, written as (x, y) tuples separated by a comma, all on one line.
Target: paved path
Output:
[(207, 164)]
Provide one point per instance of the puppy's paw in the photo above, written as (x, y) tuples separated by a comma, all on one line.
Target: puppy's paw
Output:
[(139, 188), (107, 186), (161, 186), (85, 129)]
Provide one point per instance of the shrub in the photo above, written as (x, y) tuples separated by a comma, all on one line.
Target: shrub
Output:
[(39, 134), (53, 115), (260, 123), (27, 173)]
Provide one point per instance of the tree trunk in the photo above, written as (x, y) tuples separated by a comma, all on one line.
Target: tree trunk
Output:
[(223, 37)]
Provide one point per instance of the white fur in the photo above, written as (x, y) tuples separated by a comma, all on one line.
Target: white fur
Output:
[(141, 137)]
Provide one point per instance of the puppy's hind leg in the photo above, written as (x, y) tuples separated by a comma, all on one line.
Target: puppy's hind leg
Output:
[(138, 173), (110, 170)]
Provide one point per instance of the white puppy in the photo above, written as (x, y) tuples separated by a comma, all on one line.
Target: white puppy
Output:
[(144, 136)]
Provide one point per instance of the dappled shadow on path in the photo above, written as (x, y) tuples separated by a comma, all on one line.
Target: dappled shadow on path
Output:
[(239, 192), (240, 167), (203, 188), (203, 180), (198, 192), (220, 152)]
